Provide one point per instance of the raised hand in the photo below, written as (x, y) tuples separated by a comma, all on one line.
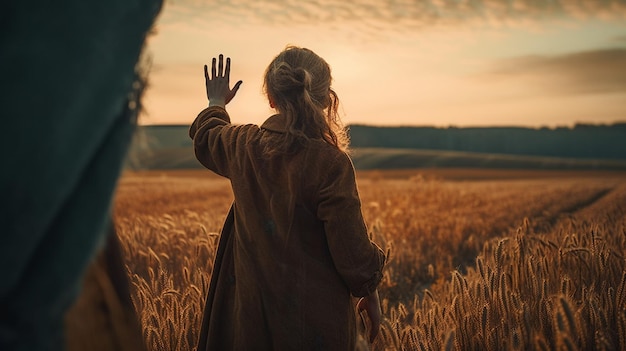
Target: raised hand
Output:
[(217, 85)]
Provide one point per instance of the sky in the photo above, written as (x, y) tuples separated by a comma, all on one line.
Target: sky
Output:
[(535, 63)]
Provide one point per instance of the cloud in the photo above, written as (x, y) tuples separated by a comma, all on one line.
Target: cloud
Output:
[(587, 72), (394, 13), (367, 21), (621, 39)]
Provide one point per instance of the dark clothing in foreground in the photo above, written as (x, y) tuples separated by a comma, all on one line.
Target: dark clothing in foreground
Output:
[(294, 246), (67, 69)]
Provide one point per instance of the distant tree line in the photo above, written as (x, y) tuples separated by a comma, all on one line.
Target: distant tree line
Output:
[(580, 141)]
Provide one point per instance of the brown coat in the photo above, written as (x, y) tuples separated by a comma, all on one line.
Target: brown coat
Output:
[(294, 246)]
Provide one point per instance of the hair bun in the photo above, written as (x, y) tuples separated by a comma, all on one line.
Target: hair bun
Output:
[(289, 79), (304, 77)]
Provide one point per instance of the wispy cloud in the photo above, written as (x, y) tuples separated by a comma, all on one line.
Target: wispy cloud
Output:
[(588, 72), (621, 39), (404, 13)]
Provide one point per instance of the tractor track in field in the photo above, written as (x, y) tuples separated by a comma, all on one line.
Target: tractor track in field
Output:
[(584, 204), (545, 224), (545, 220)]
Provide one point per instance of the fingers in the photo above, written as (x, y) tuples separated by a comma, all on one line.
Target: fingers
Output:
[(217, 68), (236, 87), (220, 70), (233, 91), (206, 73), (213, 69), (227, 71)]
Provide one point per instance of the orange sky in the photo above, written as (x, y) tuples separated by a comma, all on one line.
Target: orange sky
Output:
[(489, 62)]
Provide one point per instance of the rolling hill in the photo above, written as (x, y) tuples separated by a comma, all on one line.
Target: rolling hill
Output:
[(169, 147)]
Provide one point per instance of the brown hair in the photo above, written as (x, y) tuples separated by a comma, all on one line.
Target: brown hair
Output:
[(298, 81)]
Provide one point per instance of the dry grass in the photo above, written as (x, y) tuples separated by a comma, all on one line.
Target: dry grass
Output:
[(487, 265)]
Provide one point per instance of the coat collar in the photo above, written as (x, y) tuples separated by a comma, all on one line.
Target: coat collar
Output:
[(276, 123)]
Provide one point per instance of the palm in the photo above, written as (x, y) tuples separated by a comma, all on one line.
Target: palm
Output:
[(218, 89)]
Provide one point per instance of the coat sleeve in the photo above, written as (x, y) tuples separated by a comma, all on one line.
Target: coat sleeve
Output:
[(214, 139), (358, 260)]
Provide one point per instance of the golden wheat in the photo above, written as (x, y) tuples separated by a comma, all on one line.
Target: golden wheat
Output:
[(507, 264)]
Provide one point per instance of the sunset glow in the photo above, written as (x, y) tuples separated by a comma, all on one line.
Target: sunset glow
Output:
[(443, 63)]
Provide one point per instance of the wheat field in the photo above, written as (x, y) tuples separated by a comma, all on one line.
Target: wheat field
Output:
[(476, 261)]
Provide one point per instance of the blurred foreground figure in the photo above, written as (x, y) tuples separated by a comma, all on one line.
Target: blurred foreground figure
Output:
[(69, 93), (103, 317)]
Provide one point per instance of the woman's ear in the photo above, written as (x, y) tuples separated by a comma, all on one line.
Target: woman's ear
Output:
[(271, 102)]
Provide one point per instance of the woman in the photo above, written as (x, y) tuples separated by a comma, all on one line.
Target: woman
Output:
[(294, 246)]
